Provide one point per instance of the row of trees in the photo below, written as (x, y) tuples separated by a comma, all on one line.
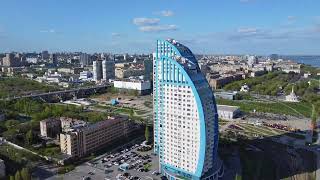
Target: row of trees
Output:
[(23, 174)]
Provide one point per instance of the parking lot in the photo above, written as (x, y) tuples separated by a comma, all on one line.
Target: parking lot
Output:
[(122, 164)]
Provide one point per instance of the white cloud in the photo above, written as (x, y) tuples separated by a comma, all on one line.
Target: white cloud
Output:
[(145, 21), (114, 34), (246, 1), (292, 18), (166, 13), (48, 31), (248, 30), (159, 28)]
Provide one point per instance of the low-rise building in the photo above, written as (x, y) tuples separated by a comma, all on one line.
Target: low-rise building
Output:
[(292, 97), (245, 88), (81, 140), (86, 76), (50, 127), (307, 75), (67, 123), (125, 70), (32, 60), (219, 82), (75, 70), (142, 86), (228, 112), (257, 73), (293, 67), (226, 95)]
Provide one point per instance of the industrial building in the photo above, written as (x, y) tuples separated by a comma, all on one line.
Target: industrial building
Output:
[(226, 95), (80, 140), (52, 127), (142, 86), (228, 112)]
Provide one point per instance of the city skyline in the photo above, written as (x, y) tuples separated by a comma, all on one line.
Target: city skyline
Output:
[(209, 27)]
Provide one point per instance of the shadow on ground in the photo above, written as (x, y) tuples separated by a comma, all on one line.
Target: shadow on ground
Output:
[(267, 158)]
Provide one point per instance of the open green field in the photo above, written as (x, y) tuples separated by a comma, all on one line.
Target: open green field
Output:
[(15, 86), (267, 84), (294, 109), (258, 130), (277, 82)]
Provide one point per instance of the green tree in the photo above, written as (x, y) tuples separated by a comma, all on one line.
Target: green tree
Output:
[(11, 123), (25, 174), (147, 133), (314, 117), (238, 177), (11, 177), (17, 176), (29, 137), (131, 113)]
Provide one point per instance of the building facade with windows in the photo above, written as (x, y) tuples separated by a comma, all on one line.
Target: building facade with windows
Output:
[(185, 115), (108, 70), (228, 112), (82, 139), (97, 70)]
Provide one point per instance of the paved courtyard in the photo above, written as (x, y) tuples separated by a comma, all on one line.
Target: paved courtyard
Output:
[(141, 165)]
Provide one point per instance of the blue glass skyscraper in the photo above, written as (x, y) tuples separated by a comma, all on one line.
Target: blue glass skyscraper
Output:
[(185, 115)]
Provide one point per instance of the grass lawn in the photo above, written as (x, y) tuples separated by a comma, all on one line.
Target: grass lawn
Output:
[(270, 107), (50, 150), (15, 86), (261, 130)]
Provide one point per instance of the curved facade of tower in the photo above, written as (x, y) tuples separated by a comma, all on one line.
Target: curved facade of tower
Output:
[(185, 115)]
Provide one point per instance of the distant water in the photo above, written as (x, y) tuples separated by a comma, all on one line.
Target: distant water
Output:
[(310, 60)]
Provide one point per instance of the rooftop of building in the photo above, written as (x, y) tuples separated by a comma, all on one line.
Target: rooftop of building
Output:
[(227, 108), (50, 119), (87, 126), (132, 80)]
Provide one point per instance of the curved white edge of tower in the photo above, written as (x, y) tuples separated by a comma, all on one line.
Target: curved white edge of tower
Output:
[(185, 115)]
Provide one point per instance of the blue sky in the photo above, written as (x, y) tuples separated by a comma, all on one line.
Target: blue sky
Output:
[(206, 26)]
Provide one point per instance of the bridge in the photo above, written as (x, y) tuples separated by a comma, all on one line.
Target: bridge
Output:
[(57, 96)]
